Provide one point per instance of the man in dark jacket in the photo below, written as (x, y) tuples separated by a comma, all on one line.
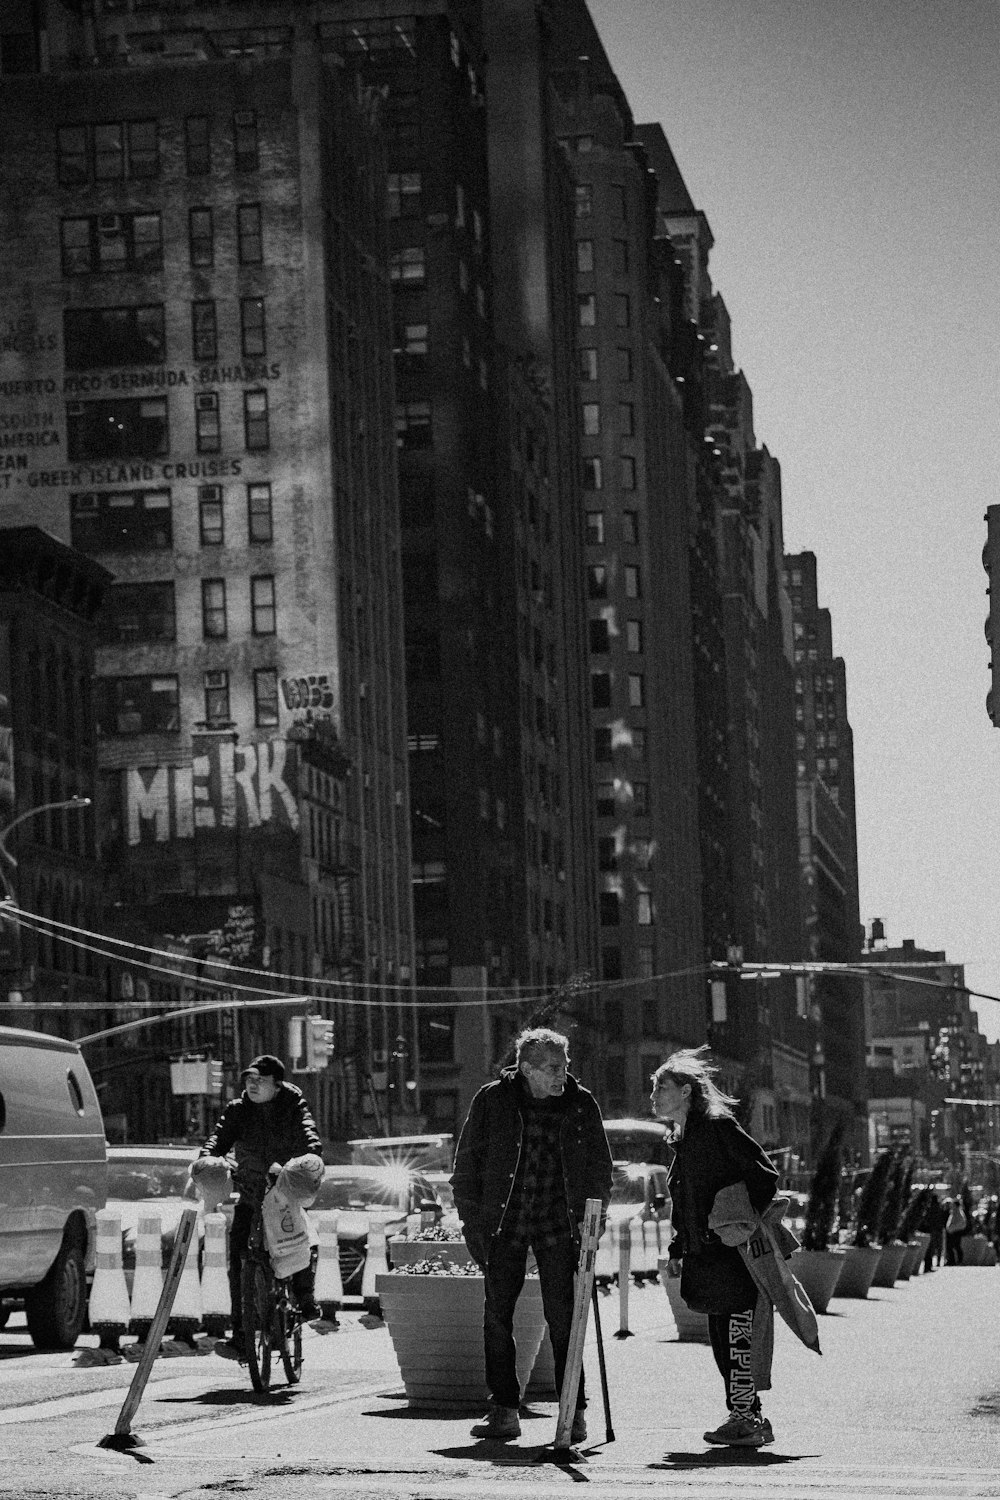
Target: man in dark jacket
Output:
[(531, 1153), (270, 1122)]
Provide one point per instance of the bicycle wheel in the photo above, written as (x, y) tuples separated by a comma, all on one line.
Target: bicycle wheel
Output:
[(257, 1286), (289, 1340)]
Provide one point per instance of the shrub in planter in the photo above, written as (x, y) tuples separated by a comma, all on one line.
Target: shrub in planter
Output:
[(871, 1200), (896, 1196), (821, 1206)]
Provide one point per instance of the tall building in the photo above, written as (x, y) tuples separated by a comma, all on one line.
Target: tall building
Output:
[(194, 245), (634, 520), (828, 852)]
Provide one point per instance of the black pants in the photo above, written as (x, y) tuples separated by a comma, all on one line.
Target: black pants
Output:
[(303, 1282), (504, 1279), (953, 1242), (731, 1335)]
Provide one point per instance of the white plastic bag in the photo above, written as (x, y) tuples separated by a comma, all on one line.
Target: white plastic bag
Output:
[(286, 1231)]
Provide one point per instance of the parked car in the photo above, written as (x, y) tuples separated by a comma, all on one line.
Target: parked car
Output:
[(359, 1194), (151, 1179), (638, 1140), (53, 1179), (638, 1191)]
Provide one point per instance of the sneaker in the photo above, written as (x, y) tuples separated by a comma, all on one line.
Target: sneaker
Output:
[(739, 1431), (233, 1348), (500, 1422), (578, 1432)]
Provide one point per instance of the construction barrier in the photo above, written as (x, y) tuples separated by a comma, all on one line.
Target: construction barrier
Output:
[(109, 1300), (605, 1261), (624, 1263), (147, 1282), (216, 1304), (329, 1284), (376, 1264), (185, 1319)]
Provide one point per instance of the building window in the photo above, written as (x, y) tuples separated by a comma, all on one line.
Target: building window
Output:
[(213, 609), (408, 265), (586, 303), (201, 237), (633, 636), (610, 904), (606, 798), (584, 196), (204, 331), (121, 521), (592, 476), (262, 605), (622, 310), (614, 1067), (600, 637), (591, 413), (117, 429), (644, 909), (139, 612), (584, 255), (640, 798), (260, 521), (71, 155), (109, 153), (256, 421), (211, 516), (265, 698), (588, 364), (645, 969), (636, 690), (404, 191), (630, 527), (143, 148), (627, 472), (597, 581), (217, 699), (245, 143), (600, 689), (207, 431), (413, 342), (633, 583), (595, 528), (96, 337), (625, 365), (602, 744), (252, 331), (413, 424), (249, 235), (111, 242), (197, 146), (139, 705), (619, 202), (626, 419), (607, 853), (619, 257)]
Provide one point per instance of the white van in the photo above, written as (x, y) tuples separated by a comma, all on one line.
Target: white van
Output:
[(53, 1179)]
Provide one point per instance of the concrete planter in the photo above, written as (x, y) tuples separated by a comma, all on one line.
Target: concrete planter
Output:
[(974, 1248), (858, 1269), (818, 1271), (887, 1270), (436, 1327), (692, 1327), (911, 1260)]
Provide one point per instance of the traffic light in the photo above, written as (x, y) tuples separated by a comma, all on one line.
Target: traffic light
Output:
[(319, 1043), (991, 562)]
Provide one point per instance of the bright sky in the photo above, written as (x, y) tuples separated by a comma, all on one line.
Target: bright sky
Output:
[(846, 155)]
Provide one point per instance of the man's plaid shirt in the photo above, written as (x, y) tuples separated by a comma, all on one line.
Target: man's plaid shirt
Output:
[(537, 1213)]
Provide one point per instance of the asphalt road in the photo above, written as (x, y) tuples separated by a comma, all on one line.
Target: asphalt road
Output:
[(904, 1402)]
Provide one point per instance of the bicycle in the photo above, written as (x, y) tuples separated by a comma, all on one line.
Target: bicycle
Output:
[(272, 1320)]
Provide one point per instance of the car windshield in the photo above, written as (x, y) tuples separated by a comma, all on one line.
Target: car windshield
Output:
[(627, 1186), (370, 1190), (142, 1177)]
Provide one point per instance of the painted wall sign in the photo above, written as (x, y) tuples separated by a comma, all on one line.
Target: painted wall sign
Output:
[(225, 786)]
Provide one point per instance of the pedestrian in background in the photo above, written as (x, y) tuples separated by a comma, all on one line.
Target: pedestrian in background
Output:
[(955, 1226), (531, 1153), (934, 1220), (711, 1152)]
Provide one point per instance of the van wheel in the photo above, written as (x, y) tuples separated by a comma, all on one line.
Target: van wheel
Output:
[(4, 1315), (55, 1308)]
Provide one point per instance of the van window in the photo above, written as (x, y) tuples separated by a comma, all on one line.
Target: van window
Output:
[(75, 1092), (3, 1112)]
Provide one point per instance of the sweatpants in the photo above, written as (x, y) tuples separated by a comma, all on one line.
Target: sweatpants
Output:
[(731, 1335)]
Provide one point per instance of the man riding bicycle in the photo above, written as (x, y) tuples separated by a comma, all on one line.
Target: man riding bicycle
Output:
[(269, 1123)]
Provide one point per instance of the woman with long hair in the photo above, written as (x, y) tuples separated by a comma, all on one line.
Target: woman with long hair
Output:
[(712, 1151)]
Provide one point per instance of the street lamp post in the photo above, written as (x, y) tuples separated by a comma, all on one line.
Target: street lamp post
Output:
[(31, 812)]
